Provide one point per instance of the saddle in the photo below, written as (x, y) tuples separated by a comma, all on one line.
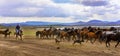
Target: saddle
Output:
[(19, 32)]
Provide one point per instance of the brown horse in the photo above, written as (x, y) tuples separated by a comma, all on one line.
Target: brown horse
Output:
[(63, 35), (72, 34), (90, 36), (44, 34), (94, 35), (50, 33), (83, 33)]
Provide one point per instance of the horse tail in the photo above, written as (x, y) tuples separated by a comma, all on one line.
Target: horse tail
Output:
[(37, 33)]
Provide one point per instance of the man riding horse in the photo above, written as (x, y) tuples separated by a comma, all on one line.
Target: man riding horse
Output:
[(18, 32)]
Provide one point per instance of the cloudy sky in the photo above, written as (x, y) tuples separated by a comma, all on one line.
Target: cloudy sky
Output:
[(59, 10)]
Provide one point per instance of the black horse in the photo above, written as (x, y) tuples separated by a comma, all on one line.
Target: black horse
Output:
[(114, 37), (8, 34), (37, 34), (5, 33)]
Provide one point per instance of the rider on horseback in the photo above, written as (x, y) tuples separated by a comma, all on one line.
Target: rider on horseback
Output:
[(17, 28)]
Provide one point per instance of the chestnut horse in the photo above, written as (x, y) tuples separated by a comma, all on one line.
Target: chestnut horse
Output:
[(94, 35), (63, 35)]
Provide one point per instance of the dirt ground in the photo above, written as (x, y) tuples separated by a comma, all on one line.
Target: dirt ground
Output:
[(47, 47)]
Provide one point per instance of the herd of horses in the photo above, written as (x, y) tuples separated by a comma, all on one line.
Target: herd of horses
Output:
[(76, 35), (81, 35)]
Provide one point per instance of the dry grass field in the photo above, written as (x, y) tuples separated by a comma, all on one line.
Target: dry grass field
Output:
[(31, 46)]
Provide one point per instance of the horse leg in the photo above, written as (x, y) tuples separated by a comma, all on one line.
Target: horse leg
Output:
[(69, 38), (74, 38), (37, 35), (20, 37), (94, 40), (84, 37), (16, 37), (61, 38), (78, 36), (117, 44), (51, 36), (9, 35), (64, 38), (107, 42), (5, 36), (87, 39), (80, 42), (41, 36), (47, 36), (91, 40), (74, 42), (100, 40), (81, 37)]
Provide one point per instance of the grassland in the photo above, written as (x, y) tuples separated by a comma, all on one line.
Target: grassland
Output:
[(30, 46)]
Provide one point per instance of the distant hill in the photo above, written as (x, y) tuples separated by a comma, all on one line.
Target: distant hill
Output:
[(30, 23), (80, 23), (95, 21)]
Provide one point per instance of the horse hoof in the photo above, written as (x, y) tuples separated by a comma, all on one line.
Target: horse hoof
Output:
[(58, 47), (115, 46)]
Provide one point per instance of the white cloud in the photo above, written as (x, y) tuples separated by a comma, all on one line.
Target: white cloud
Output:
[(44, 19), (29, 10), (42, 2), (12, 3), (48, 7), (71, 8), (105, 17), (115, 2)]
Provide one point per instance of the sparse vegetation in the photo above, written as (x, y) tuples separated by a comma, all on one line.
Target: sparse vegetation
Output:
[(30, 46)]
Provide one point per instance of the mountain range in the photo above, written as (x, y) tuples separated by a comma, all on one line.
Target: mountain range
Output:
[(80, 23)]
